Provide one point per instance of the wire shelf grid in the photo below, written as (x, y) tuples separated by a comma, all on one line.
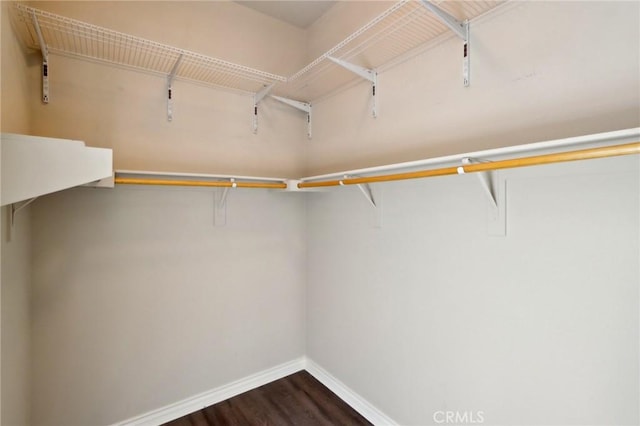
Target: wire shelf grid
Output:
[(71, 37), (400, 29)]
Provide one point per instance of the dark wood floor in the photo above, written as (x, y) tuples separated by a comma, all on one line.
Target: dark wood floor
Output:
[(298, 399)]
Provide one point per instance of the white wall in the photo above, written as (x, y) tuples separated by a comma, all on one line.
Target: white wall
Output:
[(539, 71), (139, 301), (15, 117), (429, 313)]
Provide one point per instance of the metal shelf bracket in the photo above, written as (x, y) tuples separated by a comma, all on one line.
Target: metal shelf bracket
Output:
[(170, 79), (461, 29), (366, 73), (373, 200), (302, 106), (494, 187), (257, 97), (13, 211), (45, 59), (486, 179), (220, 205), (223, 198)]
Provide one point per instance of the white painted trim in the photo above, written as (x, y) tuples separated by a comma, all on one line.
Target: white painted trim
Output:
[(205, 399), (358, 403)]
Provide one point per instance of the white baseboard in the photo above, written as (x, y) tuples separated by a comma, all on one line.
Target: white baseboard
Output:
[(205, 399), (358, 403)]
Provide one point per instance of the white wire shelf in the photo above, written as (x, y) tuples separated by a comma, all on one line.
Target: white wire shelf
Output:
[(400, 29), (75, 38)]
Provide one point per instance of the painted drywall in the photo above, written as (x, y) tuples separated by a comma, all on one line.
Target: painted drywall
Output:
[(539, 71), (15, 353), (16, 75), (107, 310), (211, 131), (16, 319), (139, 301), (339, 22), (430, 314)]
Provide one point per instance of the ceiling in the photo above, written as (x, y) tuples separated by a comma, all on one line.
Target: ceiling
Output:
[(301, 13)]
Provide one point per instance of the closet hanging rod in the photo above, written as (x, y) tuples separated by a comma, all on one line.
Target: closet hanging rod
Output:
[(561, 157), (195, 176), (199, 183)]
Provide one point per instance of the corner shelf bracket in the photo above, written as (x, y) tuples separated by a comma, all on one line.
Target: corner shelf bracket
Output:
[(45, 59), (170, 78), (494, 187), (302, 106), (459, 28), (365, 73), (257, 98)]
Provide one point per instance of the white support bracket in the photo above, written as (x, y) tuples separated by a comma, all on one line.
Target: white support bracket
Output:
[(494, 187), (13, 211), (461, 29), (170, 79), (486, 180), (223, 198), (302, 106), (45, 59), (257, 97), (220, 205), (373, 201), (366, 73)]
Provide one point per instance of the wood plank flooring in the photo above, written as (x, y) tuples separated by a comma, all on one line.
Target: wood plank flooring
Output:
[(298, 399)]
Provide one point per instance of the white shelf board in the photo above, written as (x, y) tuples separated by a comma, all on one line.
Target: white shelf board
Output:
[(33, 166)]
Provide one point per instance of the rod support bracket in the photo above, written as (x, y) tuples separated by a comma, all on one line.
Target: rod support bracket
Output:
[(223, 198), (364, 188), (486, 179), (494, 187)]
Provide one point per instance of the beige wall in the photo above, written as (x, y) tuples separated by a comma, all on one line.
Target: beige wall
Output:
[(212, 130), (341, 20), (17, 71), (15, 283), (539, 71)]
